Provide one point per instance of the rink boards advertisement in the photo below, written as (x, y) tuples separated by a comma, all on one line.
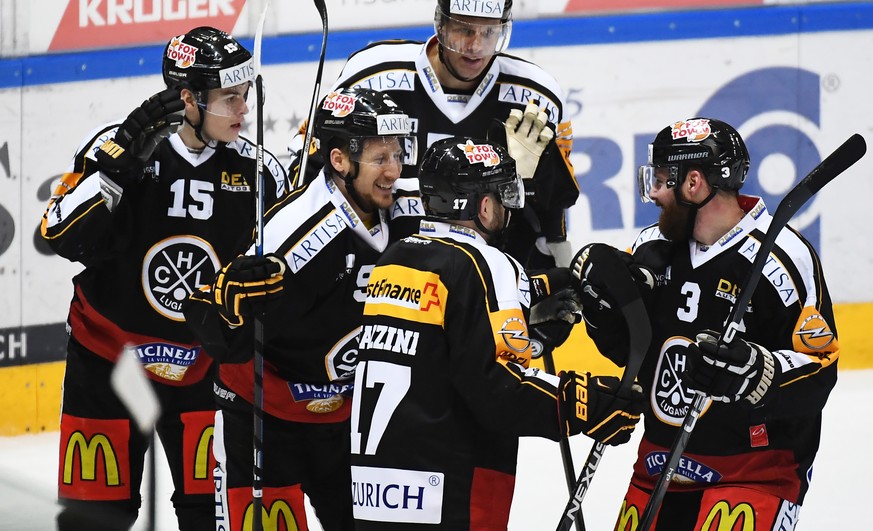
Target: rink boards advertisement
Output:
[(795, 81)]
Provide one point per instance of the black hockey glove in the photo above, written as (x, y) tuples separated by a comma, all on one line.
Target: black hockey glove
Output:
[(245, 284), (553, 297), (729, 373), (158, 117), (548, 335), (592, 405), (601, 273), (596, 277)]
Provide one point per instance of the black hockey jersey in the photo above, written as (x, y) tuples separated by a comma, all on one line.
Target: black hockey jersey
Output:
[(146, 250), (402, 70), (311, 333), (443, 389), (770, 447)]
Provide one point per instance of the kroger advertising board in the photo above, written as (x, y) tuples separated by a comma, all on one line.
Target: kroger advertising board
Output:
[(795, 81), (37, 26)]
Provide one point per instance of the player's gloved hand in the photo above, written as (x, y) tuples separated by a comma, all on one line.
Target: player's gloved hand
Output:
[(592, 405), (245, 284), (564, 305), (527, 135), (729, 373), (594, 276), (135, 140), (553, 296), (548, 335)]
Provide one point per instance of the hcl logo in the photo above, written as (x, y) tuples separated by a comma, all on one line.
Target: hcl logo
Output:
[(767, 106)]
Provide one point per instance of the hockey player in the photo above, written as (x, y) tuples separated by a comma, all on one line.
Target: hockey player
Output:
[(320, 244), (443, 389), (152, 213), (460, 82), (751, 453)]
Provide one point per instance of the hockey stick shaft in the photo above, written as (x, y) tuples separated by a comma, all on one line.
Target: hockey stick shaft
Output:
[(566, 455), (307, 138), (258, 354), (836, 163), (640, 329)]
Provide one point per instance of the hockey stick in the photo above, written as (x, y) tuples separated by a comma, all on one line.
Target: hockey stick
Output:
[(258, 358), (129, 381), (627, 296), (836, 163), (564, 442), (307, 138)]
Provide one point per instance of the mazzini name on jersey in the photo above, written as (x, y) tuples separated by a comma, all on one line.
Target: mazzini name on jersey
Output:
[(389, 338)]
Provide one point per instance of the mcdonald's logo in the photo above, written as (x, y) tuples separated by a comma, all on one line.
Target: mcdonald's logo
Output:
[(628, 518), (722, 517), (87, 450), (202, 464), (197, 457), (271, 515)]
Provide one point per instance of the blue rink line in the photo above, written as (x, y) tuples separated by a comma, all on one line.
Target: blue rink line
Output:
[(566, 31)]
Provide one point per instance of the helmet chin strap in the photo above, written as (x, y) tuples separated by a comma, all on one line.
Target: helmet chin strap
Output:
[(496, 238), (349, 180), (695, 207), (198, 127)]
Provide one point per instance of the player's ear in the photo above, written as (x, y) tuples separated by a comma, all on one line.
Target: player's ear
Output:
[(189, 98), (338, 160)]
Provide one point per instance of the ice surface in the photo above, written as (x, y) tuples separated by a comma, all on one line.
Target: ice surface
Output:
[(839, 492)]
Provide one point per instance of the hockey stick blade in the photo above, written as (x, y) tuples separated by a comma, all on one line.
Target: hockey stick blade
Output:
[(830, 168), (307, 138), (627, 295)]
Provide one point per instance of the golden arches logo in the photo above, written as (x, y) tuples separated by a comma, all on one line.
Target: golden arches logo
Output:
[(271, 517), (201, 457), (728, 516), (628, 518), (88, 458)]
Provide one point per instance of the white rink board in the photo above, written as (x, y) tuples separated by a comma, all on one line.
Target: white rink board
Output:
[(810, 87)]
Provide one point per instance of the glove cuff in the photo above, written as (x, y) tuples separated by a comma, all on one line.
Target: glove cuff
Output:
[(768, 375)]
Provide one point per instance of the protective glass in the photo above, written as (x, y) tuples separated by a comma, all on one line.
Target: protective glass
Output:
[(385, 152), (229, 102), (511, 193), (647, 179), (472, 39)]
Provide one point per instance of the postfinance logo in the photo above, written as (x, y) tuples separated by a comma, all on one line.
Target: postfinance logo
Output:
[(722, 517), (271, 517), (87, 450)]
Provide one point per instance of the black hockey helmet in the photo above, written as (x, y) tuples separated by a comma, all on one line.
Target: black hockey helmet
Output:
[(348, 116), (456, 172), (206, 58), (496, 34), (711, 145)]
